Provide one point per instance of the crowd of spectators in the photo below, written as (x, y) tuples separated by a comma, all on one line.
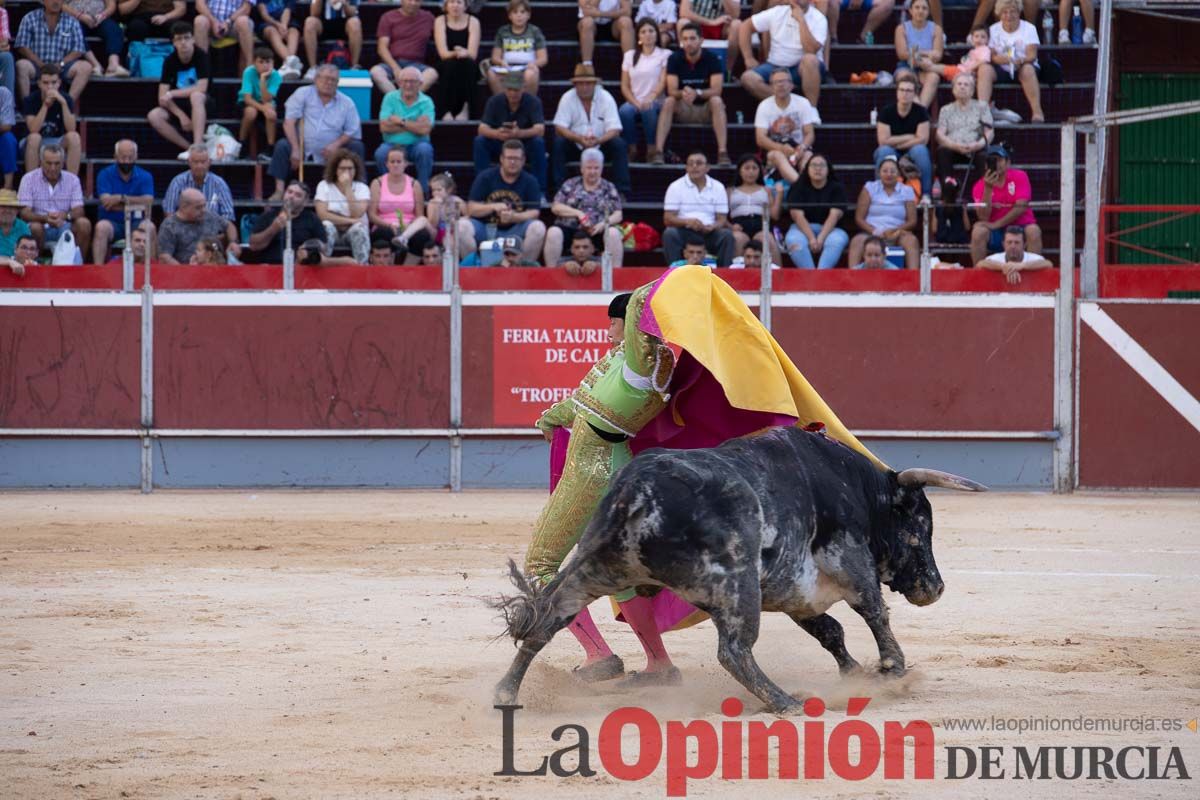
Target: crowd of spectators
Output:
[(786, 197)]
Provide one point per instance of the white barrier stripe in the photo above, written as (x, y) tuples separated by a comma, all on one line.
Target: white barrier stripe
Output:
[(1017, 573), (885, 300), (71, 299), (307, 299), (1115, 552), (1144, 364), (543, 298)]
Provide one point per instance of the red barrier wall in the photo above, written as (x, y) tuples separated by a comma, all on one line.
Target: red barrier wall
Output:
[(927, 368), (1129, 435), (68, 367), (301, 367)]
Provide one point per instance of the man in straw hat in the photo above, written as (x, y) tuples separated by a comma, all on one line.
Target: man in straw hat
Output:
[(12, 227), (587, 117)]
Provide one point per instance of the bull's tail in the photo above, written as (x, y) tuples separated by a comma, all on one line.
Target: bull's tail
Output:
[(528, 610)]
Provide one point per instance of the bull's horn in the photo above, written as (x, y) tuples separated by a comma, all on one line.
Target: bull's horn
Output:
[(933, 477)]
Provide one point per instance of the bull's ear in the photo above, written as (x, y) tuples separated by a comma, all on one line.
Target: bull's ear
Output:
[(933, 477)]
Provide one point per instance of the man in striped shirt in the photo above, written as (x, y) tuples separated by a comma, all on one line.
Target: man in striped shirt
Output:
[(198, 176)]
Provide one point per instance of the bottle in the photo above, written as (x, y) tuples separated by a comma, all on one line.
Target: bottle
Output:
[(1047, 28), (869, 38), (1076, 27), (874, 116), (936, 191), (914, 56), (741, 118), (399, 222)]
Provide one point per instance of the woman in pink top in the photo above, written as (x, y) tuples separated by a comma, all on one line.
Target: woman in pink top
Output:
[(397, 207), (643, 78)]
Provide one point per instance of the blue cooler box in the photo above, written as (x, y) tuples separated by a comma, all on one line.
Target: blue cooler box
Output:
[(356, 84)]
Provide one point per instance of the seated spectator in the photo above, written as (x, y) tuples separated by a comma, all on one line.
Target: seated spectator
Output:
[(139, 242), (260, 85), (330, 20), (714, 19), (397, 207), (798, 35), (447, 211), (47, 36), (752, 256), (8, 68), (878, 11), (643, 81), (52, 201), (693, 251), (612, 18), (431, 256), (342, 199), (98, 16), (199, 175), (150, 19), (785, 127), (515, 115), (456, 37), (382, 254), (1014, 44), (979, 53), (920, 43), (331, 123), (874, 255), (964, 131), (1002, 195), (1014, 260), (25, 255), (750, 201), (218, 19), (315, 253), (886, 208), (695, 79), (664, 14), (520, 48), (505, 201), (699, 204), (209, 250), (50, 119), (181, 232), (587, 117), (511, 255), (590, 204), (1064, 21), (903, 129), (183, 91), (269, 235), (817, 202), (122, 184), (8, 141), (406, 118), (12, 227), (402, 39), (984, 10), (278, 25), (582, 259)]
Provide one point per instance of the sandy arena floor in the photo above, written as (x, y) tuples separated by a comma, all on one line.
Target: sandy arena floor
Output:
[(335, 645)]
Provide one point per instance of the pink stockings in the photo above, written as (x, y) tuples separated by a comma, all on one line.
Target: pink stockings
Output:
[(640, 615)]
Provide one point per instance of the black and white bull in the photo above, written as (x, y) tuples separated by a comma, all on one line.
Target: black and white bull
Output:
[(785, 521)]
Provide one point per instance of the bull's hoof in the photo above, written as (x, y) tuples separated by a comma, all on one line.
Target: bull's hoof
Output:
[(891, 668), (606, 669), (663, 677)]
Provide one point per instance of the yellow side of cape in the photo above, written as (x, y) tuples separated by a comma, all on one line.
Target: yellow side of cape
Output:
[(701, 313)]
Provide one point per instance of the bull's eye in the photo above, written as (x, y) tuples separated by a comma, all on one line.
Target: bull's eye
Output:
[(914, 541)]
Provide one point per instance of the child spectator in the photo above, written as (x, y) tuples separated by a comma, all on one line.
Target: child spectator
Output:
[(444, 208), (225, 18), (185, 75), (582, 260), (664, 14), (519, 47), (980, 53), (279, 26), (260, 84)]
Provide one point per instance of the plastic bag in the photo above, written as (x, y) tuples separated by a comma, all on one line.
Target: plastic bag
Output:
[(220, 143), (65, 252)]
